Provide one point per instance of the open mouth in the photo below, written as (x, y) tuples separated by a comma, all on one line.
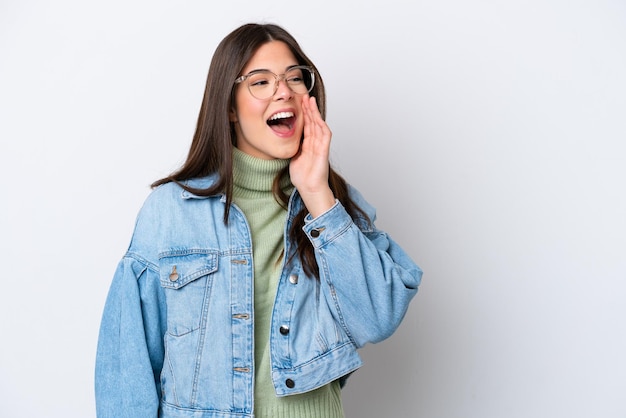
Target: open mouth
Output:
[(282, 122)]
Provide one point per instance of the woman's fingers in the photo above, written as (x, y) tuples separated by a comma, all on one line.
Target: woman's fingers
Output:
[(317, 134)]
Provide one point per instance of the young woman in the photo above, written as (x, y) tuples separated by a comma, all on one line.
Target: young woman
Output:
[(255, 272)]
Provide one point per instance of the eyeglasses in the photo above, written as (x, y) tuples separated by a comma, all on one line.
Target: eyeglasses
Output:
[(263, 84)]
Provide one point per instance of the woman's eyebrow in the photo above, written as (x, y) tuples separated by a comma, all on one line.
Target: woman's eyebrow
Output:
[(289, 67), (256, 70)]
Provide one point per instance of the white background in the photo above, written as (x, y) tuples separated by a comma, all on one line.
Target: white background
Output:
[(489, 135)]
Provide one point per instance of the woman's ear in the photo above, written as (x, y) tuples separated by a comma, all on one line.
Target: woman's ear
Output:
[(232, 115)]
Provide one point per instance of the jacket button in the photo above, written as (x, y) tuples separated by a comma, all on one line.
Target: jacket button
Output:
[(174, 274), (284, 330), (290, 383), (315, 233), (293, 279)]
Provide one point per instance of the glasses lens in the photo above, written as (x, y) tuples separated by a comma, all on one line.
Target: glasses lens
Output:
[(263, 84), (300, 80)]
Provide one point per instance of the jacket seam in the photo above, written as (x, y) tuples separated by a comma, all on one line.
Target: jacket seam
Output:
[(148, 264), (333, 294)]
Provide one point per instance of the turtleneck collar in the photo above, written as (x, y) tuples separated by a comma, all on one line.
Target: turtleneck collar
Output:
[(255, 174)]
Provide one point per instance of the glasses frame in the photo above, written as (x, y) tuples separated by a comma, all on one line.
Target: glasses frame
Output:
[(278, 78)]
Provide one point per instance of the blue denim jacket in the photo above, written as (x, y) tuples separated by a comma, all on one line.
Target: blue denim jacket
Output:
[(176, 338)]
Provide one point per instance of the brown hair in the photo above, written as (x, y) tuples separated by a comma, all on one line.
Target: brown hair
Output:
[(211, 147)]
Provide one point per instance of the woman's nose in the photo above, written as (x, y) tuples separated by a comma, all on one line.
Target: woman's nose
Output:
[(283, 91)]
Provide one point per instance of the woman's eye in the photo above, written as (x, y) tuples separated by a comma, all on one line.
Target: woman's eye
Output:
[(294, 79), (259, 82)]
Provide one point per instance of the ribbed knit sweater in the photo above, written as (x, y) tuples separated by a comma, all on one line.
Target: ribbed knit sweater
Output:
[(252, 193)]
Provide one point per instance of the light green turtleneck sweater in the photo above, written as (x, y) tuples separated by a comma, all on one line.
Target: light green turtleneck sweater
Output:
[(252, 193)]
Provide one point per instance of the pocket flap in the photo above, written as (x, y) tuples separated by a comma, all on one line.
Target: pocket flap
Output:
[(180, 267)]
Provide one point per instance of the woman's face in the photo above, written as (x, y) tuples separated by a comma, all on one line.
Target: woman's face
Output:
[(271, 128)]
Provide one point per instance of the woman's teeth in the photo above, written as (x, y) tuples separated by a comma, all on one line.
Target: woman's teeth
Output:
[(281, 115)]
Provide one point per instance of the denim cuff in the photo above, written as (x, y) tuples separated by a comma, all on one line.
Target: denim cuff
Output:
[(327, 226)]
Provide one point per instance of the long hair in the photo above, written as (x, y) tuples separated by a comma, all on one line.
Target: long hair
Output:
[(211, 148)]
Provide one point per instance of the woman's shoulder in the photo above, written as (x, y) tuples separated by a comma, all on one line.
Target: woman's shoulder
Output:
[(367, 215), (166, 211), (358, 198), (167, 197), (161, 196)]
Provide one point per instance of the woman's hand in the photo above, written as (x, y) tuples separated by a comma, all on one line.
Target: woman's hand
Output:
[(310, 166)]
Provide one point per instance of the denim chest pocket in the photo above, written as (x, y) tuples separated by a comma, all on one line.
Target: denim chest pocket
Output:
[(186, 276)]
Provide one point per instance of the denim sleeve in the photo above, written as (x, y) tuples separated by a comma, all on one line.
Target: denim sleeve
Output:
[(130, 348), (366, 277)]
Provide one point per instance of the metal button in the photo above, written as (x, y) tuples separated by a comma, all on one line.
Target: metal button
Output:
[(290, 383), (174, 274), (315, 233), (284, 330), (293, 278)]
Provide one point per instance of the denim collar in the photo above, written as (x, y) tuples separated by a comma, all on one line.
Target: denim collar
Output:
[(200, 183)]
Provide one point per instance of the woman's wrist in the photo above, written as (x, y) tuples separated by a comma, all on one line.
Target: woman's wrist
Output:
[(318, 202)]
